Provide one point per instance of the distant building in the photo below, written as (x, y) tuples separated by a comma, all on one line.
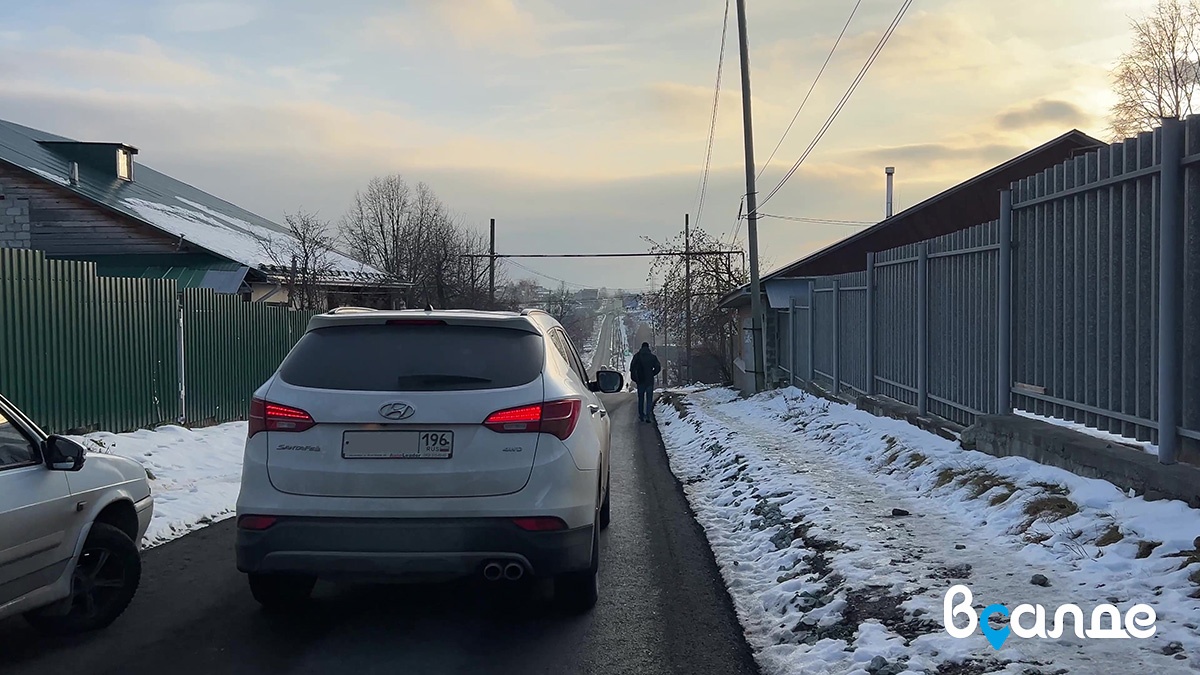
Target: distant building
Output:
[(91, 202)]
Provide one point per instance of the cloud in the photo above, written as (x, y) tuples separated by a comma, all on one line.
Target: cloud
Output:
[(202, 17), (497, 26), (1041, 113), (145, 63), (474, 28), (940, 153)]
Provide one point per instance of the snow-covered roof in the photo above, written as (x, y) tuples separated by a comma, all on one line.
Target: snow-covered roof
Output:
[(175, 208)]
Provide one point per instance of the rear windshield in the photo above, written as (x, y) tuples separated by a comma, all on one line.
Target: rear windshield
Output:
[(413, 358)]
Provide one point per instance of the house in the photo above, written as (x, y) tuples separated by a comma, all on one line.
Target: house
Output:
[(969, 203), (93, 202)]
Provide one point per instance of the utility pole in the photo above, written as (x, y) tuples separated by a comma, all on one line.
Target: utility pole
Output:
[(492, 268), (687, 283), (756, 309)]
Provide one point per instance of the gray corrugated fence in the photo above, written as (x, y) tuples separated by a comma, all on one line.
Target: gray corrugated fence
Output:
[(1095, 319)]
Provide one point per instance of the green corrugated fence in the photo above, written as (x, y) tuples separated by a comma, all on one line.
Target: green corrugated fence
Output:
[(230, 348), (81, 352)]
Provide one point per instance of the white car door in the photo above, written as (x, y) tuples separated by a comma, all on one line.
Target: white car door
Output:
[(36, 514)]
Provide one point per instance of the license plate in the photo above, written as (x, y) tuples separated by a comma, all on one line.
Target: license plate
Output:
[(397, 444)]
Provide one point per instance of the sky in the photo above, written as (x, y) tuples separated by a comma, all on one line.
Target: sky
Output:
[(581, 127)]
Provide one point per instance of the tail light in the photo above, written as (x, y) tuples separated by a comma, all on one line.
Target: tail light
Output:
[(266, 416), (540, 524), (557, 418), (257, 523)]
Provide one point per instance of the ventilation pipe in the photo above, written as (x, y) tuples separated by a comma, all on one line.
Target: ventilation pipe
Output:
[(890, 171), (73, 173)]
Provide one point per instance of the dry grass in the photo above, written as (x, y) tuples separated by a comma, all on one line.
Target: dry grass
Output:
[(1052, 488), (1145, 548), (946, 476), (1111, 536), (916, 459), (1049, 508), (982, 482)]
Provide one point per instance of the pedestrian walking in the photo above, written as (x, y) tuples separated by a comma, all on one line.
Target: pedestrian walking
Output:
[(643, 368)]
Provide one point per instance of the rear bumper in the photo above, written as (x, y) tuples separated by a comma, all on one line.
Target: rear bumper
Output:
[(416, 548)]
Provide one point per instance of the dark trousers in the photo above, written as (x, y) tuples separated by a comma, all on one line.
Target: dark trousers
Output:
[(645, 400)]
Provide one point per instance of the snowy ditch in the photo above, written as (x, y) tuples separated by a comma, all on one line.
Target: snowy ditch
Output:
[(195, 474), (839, 534)]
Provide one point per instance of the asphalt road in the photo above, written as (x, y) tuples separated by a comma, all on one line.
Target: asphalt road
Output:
[(663, 608), (603, 354)]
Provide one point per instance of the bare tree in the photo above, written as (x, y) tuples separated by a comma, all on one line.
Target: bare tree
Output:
[(306, 255), (1158, 77), (712, 275), (410, 234)]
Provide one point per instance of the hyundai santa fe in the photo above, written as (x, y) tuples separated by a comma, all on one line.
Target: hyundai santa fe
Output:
[(426, 445)]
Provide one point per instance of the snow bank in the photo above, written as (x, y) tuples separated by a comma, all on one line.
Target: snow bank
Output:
[(196, 473), (839, 533), (589, 347)]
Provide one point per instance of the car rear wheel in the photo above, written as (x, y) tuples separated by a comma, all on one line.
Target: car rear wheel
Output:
[(577, 592), (103, 583), (281, 591)]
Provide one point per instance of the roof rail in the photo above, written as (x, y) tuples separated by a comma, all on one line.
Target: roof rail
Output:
[(351, 310), (533, 310)]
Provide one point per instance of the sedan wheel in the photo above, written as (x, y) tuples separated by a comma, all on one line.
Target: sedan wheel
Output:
[(102, 585)]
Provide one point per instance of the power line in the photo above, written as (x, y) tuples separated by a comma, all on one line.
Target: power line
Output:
[(841, 104), (564, 281), (712, 123), (821, 221), (810, 89)]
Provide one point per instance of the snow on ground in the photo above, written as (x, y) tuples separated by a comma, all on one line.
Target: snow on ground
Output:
[(1145, 446), (589, 347), (625, 347), (195, 473), (797, 496)]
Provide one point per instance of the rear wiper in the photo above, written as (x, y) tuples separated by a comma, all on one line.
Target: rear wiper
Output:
[(442, 378)]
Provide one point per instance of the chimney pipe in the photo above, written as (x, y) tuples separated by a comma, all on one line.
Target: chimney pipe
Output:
[(890, 171), (73, 175)]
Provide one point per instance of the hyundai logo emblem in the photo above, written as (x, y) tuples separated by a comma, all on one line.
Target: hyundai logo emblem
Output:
[(396, 410)]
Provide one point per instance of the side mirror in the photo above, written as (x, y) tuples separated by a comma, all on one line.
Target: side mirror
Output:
[(608, 381), (64, 454)]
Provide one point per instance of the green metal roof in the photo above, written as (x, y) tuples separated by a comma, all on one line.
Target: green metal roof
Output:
[(189, 270)]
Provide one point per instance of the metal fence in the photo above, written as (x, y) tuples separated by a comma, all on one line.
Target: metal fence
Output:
[(230, 348), (1081, 303), (81, 352)]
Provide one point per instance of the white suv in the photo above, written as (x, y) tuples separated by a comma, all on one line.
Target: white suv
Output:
[(70, 527), (420, 445)]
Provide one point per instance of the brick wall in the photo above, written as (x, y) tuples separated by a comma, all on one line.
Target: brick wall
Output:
[(62, 223), (14, 221)]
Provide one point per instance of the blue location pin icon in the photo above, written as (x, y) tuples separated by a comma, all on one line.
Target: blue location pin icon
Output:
[(996, 636)]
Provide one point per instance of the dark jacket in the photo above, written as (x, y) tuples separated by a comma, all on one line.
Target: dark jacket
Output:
[(644, 367)]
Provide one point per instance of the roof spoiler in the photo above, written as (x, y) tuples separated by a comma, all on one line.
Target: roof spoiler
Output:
[(350, 310)]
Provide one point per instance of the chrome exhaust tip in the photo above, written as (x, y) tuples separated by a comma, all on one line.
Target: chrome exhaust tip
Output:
[(513, 571), (492, 571)]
